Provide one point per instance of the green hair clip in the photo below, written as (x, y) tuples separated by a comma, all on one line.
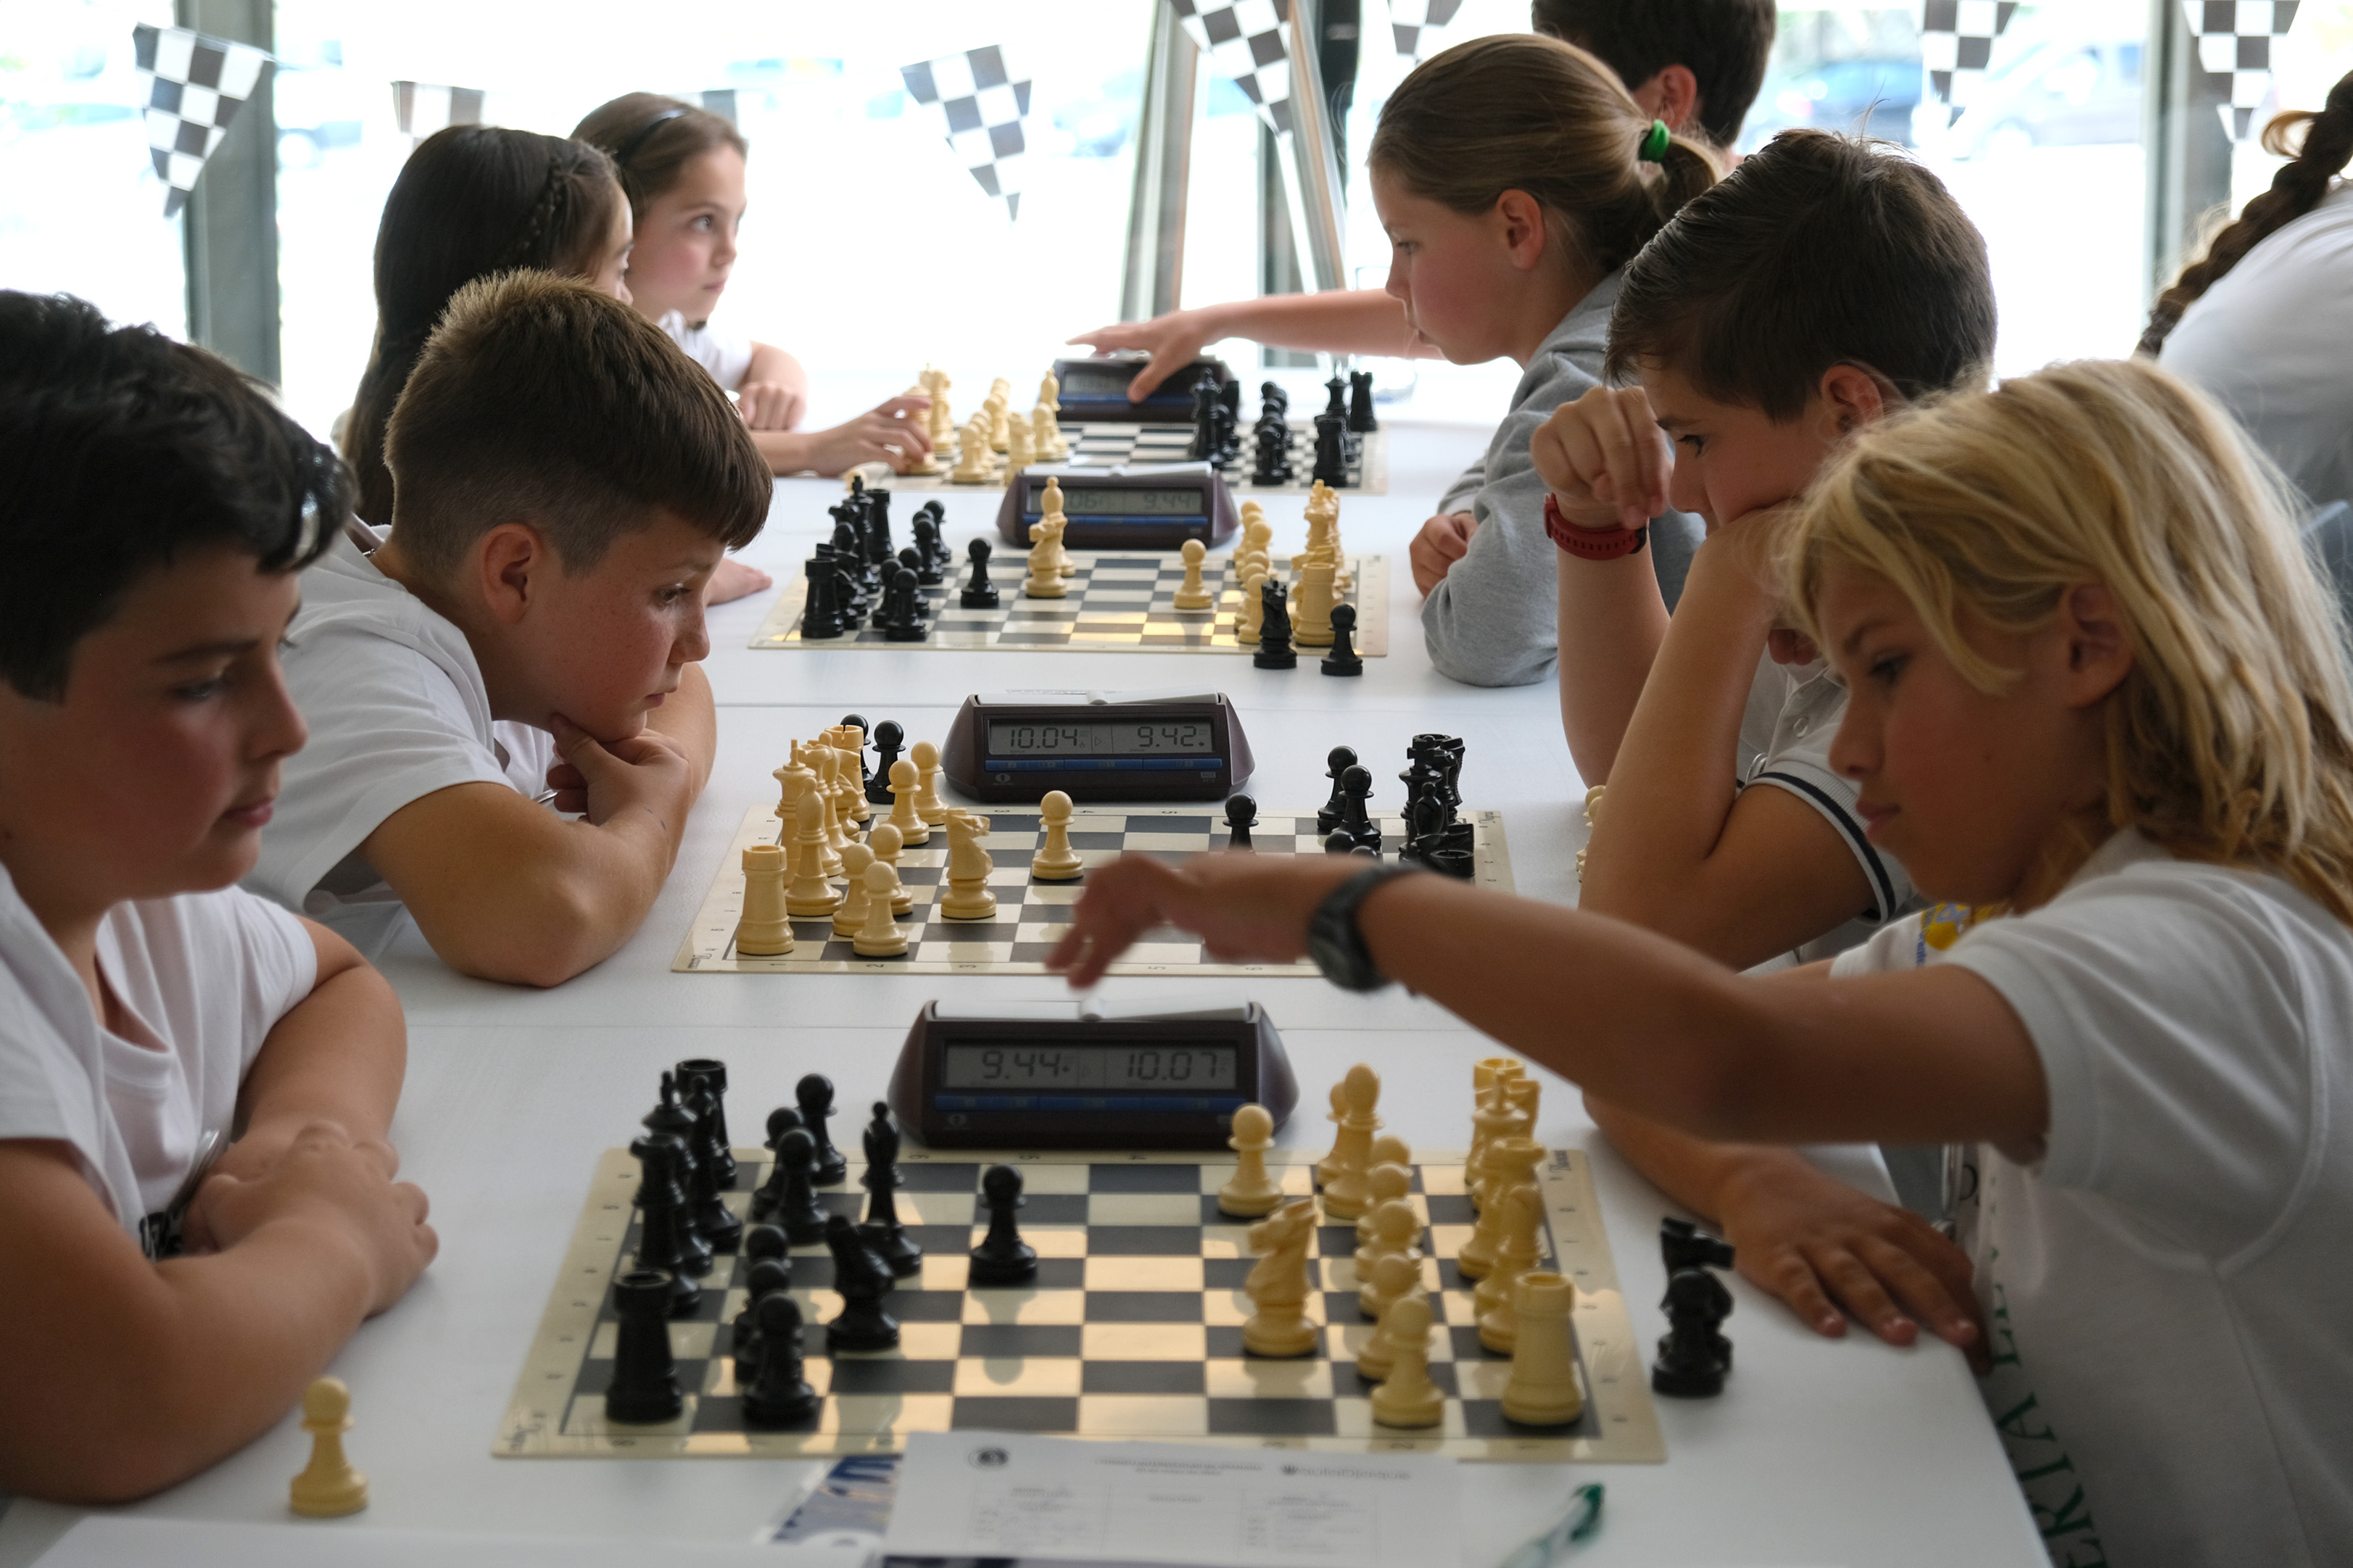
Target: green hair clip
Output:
[(1654, 143)]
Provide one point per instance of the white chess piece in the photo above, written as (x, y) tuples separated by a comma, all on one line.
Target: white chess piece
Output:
[(880, 936), (968, 897), (811, 896), (1192, 593), (328, 1488), (1253, 1192), (1396, 1278), (1055, 860), (1344, 1170), (886, 842), (1018, 453), (763, 932), (1521, 1252), (1396, 1230), (1252, 619), (906, 789), (1408, 1398), (847, 919), (1542, 1390), (996, 406), (928, 803), (1389, 1150), (973, 465), (1045, 578), (1278, 1283), (929, 462), (1511, 1162), (1310, 611), (936, 384), (854, 750)]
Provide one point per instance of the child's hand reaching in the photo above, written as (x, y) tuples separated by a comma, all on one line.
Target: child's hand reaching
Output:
[(343, 1187), (1443, 541), (891, 432), (1173, 340), (1243, 907), (771, 405), (1605, 459)]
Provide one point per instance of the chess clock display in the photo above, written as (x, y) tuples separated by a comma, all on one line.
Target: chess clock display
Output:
[(1165, 1081), (1095, 390), (1158, 507), (1014, 747)]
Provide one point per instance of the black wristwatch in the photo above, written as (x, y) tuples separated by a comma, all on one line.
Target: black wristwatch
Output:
[(1335, 943)]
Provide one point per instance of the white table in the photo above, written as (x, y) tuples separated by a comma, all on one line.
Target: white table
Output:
[(1818, 1451)]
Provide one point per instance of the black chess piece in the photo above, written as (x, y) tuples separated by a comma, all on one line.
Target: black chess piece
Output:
[(676, 1122), (709, 1138), (875, 521), (1331, 449), (1273, 465), (645, 1388), (1002, 1258), (769, 1268), (799, 1211), (1694, 1356), (663, 1232), (1206, 407), (814, 1094), (1229, 421), (1275, 650), (848, 543), (1241, 815), (942, 556), (715, 1070), (1337, 387), (712, 1220), (927, 548), (1360, 402), (771, 1193), (927, 572), (780, 1394), (890, 739), (821, 617), (883, 1235), (1357, 824), (1273, 401), (901, 618), (861, 1279), (1337, 762), (1344, 658), (979, 593)]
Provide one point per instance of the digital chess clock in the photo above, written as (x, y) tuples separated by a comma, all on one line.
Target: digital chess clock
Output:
[(1093, 747), (1055, 1075), (1158, 507), (1096, 389)]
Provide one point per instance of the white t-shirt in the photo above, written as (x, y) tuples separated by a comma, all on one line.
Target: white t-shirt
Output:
[(202, 978), (726, 356), (2273, 343), (2168, 1286), (397, 710), (1792, 716)]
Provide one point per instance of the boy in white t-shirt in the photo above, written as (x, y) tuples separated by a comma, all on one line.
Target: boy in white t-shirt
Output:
[(565, 483), (170, 1294), (2032, 596)]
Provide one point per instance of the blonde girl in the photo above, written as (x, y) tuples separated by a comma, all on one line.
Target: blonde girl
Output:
[(1516, 177), (2100, 709)]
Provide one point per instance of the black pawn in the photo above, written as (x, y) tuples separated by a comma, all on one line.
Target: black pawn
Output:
[(1002, 1258), (901, 618), (709, 1139), (1241, 815), (942, 555), (927, 546), (766, 1201), (1337, 762), (889, 740), (644, 1389), (1272, 466), (1360, 402), (799, 1211), (861, 1279), (779, 1395), (883, 1235), (1331, 449), (667, 1242), (765, 1278), (712, 1068), (815, 1096), (1344, 658), (926, 574), (1273, 401), (1355, 816), (979, 593), (1275, 650)]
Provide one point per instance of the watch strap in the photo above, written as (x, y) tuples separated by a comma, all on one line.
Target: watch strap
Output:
[(1334, 939)]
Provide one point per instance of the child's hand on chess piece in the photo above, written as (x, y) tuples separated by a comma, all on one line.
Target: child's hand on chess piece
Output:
[(1244, 908), (891, 432), (771, 405), (1443, 541), (1604, 458), (325, 1186)]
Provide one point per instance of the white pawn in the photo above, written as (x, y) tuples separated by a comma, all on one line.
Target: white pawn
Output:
[(763, 932), (880, 936), (1390, 1177), (328, 1488), (1521, 1251), (883, 840), (912, 829), (1511, 1162), (811, 896), (854, 750), (928, 803), (1408, 1398), (1395, 1229), (1253, 1192), (1055, 860), (973, 466), (1542, 1389), (848, 919), (1252, 619), (928, 463), (1397, 1278), (1192, 595), (968, 896), (1344, 1170)]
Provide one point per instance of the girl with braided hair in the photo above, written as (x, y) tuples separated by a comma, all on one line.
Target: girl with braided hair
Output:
[(2264, 321)]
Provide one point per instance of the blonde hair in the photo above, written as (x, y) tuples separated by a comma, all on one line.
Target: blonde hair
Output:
[(2231, 740), (1520, 112)]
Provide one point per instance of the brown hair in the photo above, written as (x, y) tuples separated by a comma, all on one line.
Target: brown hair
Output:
[(471, 200), (542, 399), (1818, 251), (651, 139), (1519, 112), (1725, 44), (2326, 147)]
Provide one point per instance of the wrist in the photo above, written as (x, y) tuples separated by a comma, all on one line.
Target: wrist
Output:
[(1590, 543)]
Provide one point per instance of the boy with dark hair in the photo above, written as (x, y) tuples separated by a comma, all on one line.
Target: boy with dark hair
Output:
[(566, 481), (1706, 57), (1822, 284), (153, 509)]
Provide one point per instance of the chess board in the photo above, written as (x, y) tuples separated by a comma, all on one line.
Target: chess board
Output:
[(1105, 444), (1117, 602), (1030, 914), (1131, 1329)]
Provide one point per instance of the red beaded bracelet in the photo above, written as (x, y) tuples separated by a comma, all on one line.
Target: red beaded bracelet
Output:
[(1591, 543)]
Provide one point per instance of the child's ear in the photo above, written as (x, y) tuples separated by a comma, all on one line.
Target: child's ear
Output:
[(2099, 654), (1520, 220), (508, 563), (1852, 396)]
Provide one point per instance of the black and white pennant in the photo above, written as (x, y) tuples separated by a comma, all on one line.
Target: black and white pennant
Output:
[(1416, 24), (1956, 41), (1247, 43), (2234, 40), (194, 87), (421, 108), (981, 111)]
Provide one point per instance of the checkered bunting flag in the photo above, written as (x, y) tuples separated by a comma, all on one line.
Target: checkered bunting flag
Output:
[(2234, 40), (194, 87), (421, 108), (1956, 40), (1416, 22), (982, 109), (1245, 40)]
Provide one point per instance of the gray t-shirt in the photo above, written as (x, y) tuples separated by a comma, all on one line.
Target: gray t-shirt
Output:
[(1493, 619)]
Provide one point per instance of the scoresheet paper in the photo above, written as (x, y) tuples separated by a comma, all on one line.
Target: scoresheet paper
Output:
[(1040, 1499)]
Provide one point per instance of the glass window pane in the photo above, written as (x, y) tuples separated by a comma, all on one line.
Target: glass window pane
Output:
[(2316, 52)]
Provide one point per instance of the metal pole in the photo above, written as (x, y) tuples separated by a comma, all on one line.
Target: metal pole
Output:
[(2187, 153), (231, 219), (1152, 280), (1311, 176)]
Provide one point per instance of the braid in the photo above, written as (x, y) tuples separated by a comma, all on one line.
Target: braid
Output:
[(542, 213), (2295, 191)]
